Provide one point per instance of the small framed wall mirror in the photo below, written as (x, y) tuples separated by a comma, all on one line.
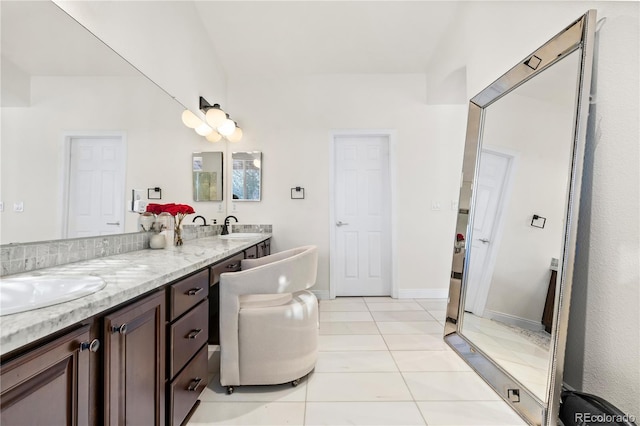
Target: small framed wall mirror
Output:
[(511, 281), (246, 179), (207, 176)]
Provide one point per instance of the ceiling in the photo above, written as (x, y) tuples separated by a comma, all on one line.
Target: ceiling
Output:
[(310, 37), (250, 37)]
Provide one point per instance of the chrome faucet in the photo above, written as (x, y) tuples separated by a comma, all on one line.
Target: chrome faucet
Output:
[(204, 221), (225, 227)]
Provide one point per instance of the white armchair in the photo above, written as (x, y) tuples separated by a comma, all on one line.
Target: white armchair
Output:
[(269, 320)]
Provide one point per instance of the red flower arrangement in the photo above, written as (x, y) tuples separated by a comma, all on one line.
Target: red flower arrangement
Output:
[(178, 211)]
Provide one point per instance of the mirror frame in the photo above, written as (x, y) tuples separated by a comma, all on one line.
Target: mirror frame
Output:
[(580, 34)]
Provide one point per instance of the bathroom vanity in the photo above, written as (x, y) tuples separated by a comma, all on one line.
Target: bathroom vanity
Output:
[(134, 352)]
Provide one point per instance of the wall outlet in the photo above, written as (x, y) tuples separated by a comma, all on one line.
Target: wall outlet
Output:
[(18, 206), (435, 205), (1, 206)]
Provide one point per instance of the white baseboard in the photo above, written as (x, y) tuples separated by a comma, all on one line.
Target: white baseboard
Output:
[(429, 293), (321, 294), (527, 324), (423, 293)]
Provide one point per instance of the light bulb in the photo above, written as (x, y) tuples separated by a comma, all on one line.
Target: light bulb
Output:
[(236, 135), (215, 116), (203, 129), (214, 136), (190, 119), (227, 128)]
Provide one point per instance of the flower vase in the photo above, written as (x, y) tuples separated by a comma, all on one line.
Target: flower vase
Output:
[(177, 232), (177, 236)]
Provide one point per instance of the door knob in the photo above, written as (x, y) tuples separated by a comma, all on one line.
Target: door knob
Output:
[(341, 223)]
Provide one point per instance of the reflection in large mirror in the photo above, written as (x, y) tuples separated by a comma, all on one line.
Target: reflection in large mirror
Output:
[(207, 176), (521, 171), (81, 128), (246, 176)]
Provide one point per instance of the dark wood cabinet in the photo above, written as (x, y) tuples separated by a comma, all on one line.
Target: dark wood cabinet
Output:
[(134, 363), (547, 313), (141, 363), (188, 332), (264, 248), (49, 385), (232, 264)]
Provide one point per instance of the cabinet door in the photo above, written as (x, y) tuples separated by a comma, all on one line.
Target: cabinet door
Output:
[(134, 361), (264, 248), (48, 385)]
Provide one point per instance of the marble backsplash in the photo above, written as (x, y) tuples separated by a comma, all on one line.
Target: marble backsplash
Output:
[(17, 258)]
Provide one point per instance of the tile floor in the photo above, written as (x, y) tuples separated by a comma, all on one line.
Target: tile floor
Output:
[(527, 361), (381, 361)]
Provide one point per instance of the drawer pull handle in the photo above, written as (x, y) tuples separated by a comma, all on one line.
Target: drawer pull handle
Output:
[(233, 265), (194, 384), (93, 345), (251, 256), (194, 291), (122, 329), (194, 333)]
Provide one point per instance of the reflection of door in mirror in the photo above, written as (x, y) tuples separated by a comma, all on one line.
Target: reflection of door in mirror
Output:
[(246, 176), (94, 205), (509, 259), (207, 176), (492, 194)]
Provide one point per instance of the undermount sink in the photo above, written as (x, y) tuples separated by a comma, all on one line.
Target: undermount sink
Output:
[(22, 294), (240, 235)]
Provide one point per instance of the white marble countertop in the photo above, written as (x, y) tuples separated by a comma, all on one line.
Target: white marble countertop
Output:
[(127, 275)]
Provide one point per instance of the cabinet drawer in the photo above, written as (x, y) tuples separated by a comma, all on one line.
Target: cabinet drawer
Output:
[(264, 248), (186, 388), (187, 335), (231, 264), (251, 253), (187, 293)]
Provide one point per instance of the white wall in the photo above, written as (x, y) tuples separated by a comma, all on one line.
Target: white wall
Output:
[(290, 121), (603, 341)]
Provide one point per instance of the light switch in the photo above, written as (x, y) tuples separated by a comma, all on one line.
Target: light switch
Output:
[(18, 206)]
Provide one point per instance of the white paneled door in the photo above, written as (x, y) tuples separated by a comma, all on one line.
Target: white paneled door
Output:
[(96, 186), (492, 183), (362, 238)]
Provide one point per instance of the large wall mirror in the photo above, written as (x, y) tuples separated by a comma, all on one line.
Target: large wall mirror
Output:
[(246, 178), (66, 95), (207, 176), (511, 279)]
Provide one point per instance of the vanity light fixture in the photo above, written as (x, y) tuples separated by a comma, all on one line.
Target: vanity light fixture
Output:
[(190, 119), (204, 129), (215, 116), (214, 137), (215, 125), (227, 127), (236, 135)]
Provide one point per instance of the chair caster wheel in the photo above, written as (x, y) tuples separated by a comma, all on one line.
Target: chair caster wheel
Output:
[(295, 383), (229, 390)]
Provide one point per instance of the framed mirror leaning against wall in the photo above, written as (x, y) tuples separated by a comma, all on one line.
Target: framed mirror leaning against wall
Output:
[(510, 284)]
